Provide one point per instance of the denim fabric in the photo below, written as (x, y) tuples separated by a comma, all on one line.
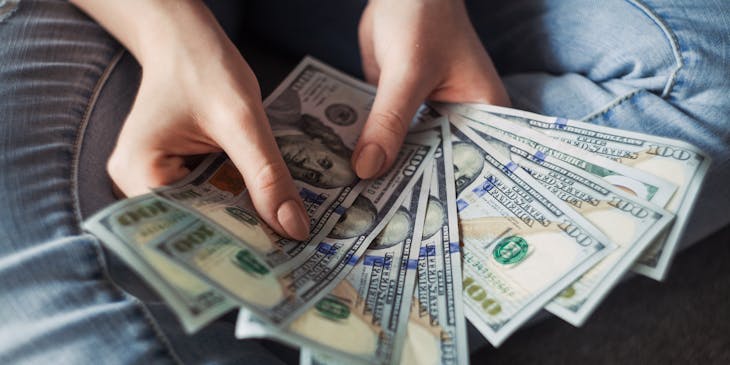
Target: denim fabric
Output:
[(65, 87), (63, 81), (654, 66), (657, 67), (58, 304), (648, 66)]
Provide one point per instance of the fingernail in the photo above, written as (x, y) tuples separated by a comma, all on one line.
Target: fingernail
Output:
[(293, 219), (370, 161)]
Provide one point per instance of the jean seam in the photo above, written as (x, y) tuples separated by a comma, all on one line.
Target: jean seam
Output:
[(673, 42), (81, 132), (614, 103), (101, 261)]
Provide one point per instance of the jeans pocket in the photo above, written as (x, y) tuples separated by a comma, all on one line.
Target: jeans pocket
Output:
[(670, 42)]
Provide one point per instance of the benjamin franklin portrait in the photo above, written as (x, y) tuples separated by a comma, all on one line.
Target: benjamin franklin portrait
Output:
[(285, 109), (435, 217), (468, 163), (396, 231), (316, 155), (358, 219)]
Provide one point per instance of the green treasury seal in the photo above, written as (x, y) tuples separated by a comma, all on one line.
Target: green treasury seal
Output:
[(510, 250), (246, 261), (332, 308)]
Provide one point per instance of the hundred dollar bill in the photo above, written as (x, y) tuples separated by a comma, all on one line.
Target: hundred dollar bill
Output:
[(216, 191), (629, 222), (437, 328), (328, 127), (307, 356), (280, 293), (428, 354), (676, 161), (128, 227), (316, 115), (366, 315), (364, 220), (522, 245), (640, 183)]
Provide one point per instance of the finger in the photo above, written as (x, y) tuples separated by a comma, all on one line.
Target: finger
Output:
[(475, 80), (488, 87), (367, 51), (248, 141), (137, 164), (399, 95), (137, 173)]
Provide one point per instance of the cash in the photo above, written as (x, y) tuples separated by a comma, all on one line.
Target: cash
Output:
[(630, 223), (680, 163), (283, 277), (642, 184), (128, 228), (377, 293), (436, 331), (371, 295), (488, 214), (522, 245), (233, 263)]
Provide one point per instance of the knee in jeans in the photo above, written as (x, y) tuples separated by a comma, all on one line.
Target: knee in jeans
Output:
[(635, 49)]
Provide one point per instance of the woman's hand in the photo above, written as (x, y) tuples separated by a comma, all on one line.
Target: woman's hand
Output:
[(197, 95), (414, 50)]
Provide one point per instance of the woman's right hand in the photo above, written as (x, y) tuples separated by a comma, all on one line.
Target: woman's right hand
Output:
[(197, 95)]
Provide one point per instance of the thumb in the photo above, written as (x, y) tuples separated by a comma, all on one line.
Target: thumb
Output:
[(249, 143), (398, 97)]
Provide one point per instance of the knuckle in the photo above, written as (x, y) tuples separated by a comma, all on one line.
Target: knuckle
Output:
[(241, 118), (228, 115), (392, 124), (229, 108), (240, 111)]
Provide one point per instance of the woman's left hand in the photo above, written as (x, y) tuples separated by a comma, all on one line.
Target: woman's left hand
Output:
[(416, 50)]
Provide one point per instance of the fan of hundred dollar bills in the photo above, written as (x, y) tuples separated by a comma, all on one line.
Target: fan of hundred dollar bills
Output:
[(489, 214)]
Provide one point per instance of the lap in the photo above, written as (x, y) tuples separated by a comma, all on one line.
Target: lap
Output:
[(66, 89), (655, 66), (57, 302), (652, 66)]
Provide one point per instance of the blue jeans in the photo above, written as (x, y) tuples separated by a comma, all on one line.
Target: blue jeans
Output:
[(658, 67)]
